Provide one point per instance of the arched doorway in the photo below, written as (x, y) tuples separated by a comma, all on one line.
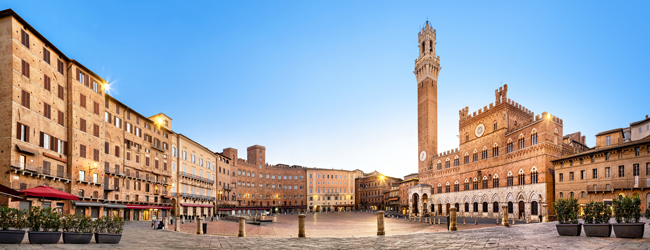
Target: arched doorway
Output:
[(425, 198), (439, 208), (495, 207), (533, 208), (447, 211), (509, 207), (521, 209), (415, 200)]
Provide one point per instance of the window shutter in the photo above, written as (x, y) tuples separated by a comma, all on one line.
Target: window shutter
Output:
[(27, 68), (51, 143), (42, 143), (106, 148), (26, 133), (78, 74), (56, 144), (27, 99), (117, 151), (65, 148), (18, 136)]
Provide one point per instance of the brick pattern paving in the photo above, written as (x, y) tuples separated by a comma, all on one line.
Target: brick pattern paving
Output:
[(348, 224), (139, 235)]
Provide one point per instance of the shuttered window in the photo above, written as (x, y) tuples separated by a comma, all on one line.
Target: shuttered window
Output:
[(46, 83), (82, 100), (106, 148), (82, 151), (82, 125), (117, 151), (59, 66), (24, 38), (96, 130), (47, 111), (60, 92), (95, 154), (61, 119), (46, 55), (25, 68), (24, 99)]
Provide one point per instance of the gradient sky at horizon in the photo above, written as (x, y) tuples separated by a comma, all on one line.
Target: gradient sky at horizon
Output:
[(330, 84)]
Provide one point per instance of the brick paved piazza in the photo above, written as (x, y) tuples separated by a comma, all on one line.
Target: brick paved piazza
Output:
[(139, 235)]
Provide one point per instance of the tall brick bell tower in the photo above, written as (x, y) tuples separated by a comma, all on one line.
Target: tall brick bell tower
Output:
[(427, 68)]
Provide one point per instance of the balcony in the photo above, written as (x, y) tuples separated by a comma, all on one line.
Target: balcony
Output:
[(196, 177), (38, 171), (617, 184)]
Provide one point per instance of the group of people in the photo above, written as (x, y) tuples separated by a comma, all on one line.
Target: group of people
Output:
[(157, 224)]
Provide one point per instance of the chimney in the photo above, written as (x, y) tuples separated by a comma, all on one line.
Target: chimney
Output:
[(646, 116)]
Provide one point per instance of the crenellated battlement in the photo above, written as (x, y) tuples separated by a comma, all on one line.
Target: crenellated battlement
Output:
[(446, 153), (501, 98)]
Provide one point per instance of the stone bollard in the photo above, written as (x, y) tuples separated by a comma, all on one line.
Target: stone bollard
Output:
[(177, 226), (513, 221), (452, 219), (528, 220), (199, 225), (301, 226), (475, 221), (438, 221), (166, 223), (242, 227), (504, 220), (497, 221), (463, 221), (380, 223), (183, 220)]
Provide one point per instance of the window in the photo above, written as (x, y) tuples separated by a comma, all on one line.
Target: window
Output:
[(521, 143), (447, 163), (456, 187), (46, 55), (82, 101), (60, 92), (59, 66), (495, 126), (82, 151), (439, 165), (607, 172), (621, 171), (447, 188), (25, 99), (475, 157), (533, 138), (466, 159), (635, 169), (607, 156), (561, 195), (485, 184), (24, 38), (82, 125), (571, 194), (484, 154), (46, 83), (570, 176), (466, 138), (607, 187), (25, 68), (637, 150), (608, 140), (561, 177), (495, 151), (495, 182), (475, 185), (594, 173), (522, 179), (456, 162), (582, 174), (466, 186), (22, 132), (533, 177), (509, 147), (82, 175)]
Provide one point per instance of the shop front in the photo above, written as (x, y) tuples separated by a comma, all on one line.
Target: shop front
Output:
[(146, 212)]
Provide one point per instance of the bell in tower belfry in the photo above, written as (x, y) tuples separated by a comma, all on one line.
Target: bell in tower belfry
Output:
[(427, 68)]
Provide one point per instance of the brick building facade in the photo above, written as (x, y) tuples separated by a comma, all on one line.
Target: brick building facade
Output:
[(370, 189), (330, 189), (504, 154), (619, 164)]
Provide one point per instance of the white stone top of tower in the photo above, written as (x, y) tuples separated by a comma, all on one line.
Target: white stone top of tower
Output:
[(428, 64)]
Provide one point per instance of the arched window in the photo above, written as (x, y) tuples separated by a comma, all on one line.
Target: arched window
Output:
[(80, 193), (485, 182), (466, 206), (96, 195), (447, 188), (439, 165), (571, 194), (431, 46), (533, 208), (456, 161), (466, 158), (495, 181), (475, 156), (561, 195), (439, 188), (509, 207), (485, 207), (521, 141), (509, 145), (466, 184), (510, 179), (495, 150), (533, 176), (495, 207), (475, 184), (456, 186), (522, 177), (475, 207), (484, 153), (423, 47), (533, 137), (447, 163)]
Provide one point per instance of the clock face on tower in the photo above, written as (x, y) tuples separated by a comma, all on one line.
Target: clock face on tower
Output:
[(423, 155), (480, 129)]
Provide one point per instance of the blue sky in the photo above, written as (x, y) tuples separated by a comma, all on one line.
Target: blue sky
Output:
[(330, 84)]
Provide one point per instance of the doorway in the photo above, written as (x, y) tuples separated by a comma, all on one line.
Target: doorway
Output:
[(521, 209), (439, 209), (447, 211), (145, 214)]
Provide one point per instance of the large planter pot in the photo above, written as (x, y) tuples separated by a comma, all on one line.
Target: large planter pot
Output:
[(629, 230), (11, 237), (44, 237), (77, 238), (598, 230), (569, 229), (108, 238)]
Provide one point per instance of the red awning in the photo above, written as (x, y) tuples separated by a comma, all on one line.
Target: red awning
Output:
[(195, 205), (48, 192), (393, 199), (147, 207), (9, 192)]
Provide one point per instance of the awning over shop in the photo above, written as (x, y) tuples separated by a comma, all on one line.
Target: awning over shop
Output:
[(26, 150), (147, 207), (115, 206), (344, 205), (195, 205), (88, 204), (48, 192), (393, 199), (7, 191)]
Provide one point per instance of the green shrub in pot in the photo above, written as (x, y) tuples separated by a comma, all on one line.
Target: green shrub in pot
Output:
[(597, 215), (11, 218), (567, 215), (48, 220), (627, 212)]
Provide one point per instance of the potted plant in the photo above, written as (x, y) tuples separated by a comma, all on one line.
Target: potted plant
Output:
[(109, 229), (627, 212), (567, 215), (11, 218), (596, 219), (46, 219), (76, 229)]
